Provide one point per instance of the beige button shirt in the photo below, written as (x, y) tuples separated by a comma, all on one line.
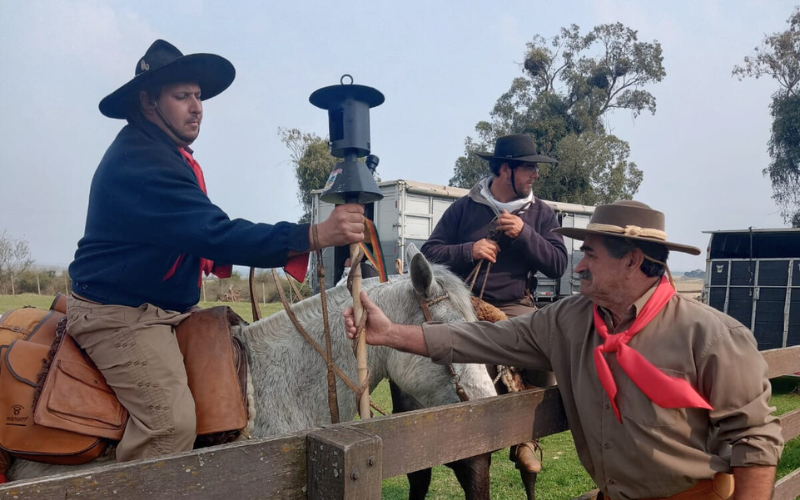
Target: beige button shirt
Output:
[(654, 452)]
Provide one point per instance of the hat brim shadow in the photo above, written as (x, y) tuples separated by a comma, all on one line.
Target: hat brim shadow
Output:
[(211, 72)]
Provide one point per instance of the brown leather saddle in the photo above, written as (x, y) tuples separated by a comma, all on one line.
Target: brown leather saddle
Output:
[(56, 407)]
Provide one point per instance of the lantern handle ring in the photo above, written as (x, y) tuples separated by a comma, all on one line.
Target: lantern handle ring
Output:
[(341, 80)]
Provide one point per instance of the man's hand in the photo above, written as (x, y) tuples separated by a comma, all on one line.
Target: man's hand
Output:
[(344, 226), (485, 249), (380, 330), (377, 327), (509, 224)]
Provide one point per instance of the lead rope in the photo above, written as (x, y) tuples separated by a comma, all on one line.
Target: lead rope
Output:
[(333, 400), (473, 276), (293, 318)]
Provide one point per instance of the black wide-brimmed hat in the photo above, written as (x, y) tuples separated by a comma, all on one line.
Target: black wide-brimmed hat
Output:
[(516, 147), (627, 219), (163, 64)]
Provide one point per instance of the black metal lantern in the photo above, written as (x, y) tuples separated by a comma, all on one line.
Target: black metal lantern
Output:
[(351, 181)]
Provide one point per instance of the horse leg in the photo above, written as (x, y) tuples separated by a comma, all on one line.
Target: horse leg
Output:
[(529, 482), (419, 481), (418, 484), (473, 475)]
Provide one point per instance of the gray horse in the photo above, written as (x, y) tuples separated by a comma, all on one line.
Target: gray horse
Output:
[(289, 377)]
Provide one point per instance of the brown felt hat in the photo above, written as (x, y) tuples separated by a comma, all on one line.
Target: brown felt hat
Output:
[(628, 219)]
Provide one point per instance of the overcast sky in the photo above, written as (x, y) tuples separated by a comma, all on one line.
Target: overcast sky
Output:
[(441, 66)]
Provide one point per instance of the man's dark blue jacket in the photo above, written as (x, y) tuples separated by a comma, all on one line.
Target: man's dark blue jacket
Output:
[(146, 209)]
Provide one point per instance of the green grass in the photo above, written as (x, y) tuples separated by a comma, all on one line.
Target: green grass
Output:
[(29, 299), (562, 477)]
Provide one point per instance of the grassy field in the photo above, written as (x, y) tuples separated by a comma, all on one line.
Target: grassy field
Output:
[(562, 478)]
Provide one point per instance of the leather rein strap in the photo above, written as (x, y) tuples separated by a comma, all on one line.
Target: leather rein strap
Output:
[(425, 306)]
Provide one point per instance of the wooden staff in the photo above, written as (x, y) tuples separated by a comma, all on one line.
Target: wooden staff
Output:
[(361, 347)]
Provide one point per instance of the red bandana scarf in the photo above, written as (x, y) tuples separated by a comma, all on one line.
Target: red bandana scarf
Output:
[(663, 390), (206, 266)]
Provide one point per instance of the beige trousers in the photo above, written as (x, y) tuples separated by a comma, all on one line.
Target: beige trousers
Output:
[(136, 350)]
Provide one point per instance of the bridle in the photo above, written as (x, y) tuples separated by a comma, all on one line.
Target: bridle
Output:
[(426, 311)]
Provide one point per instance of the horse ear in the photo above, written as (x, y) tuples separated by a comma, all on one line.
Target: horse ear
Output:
[(422, 275), (411, 251)]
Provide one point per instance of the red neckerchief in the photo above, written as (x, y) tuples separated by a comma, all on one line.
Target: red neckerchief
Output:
[(206, 266), (663, 390)]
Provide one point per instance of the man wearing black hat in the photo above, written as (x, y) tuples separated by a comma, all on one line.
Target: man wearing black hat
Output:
[(151, 233), (666, 398), (501, 222)]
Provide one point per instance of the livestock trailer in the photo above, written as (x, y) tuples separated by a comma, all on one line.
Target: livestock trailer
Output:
[(410, 210), (753, 275)]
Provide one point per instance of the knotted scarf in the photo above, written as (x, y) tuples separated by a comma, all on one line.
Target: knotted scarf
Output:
[(663, 390)]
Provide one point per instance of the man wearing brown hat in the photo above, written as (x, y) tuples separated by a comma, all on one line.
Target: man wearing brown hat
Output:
[(666, 398), (151, 233), (498, 237)]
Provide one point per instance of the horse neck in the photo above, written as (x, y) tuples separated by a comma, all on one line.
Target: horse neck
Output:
[(284, 366)]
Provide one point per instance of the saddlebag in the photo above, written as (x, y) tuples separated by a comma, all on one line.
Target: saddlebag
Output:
[(20, 365), (216, 369), (75, 396)]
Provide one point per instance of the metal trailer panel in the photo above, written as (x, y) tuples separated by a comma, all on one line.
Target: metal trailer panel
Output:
[(763, 293), (409, 212), (569, 283)]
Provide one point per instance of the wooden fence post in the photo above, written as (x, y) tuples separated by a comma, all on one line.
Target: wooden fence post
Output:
[(343, 464)]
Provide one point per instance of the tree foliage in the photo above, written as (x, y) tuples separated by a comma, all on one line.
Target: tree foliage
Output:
[(778, 57), (593, 169), (569, 85), (312, 161), (15, 258)]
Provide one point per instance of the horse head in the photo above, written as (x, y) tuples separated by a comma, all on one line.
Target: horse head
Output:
[(440, 295)]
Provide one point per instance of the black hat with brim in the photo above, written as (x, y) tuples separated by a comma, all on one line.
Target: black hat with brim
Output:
[(163, 64), (516, 147)]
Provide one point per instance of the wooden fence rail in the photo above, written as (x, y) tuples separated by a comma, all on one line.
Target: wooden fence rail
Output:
[(346, 461)]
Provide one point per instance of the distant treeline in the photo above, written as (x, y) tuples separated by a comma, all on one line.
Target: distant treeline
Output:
[(697, 273), (47, 282)]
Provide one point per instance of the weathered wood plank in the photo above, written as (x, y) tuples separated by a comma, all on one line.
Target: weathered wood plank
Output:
[(788, 487), (790, 424), (431, 437), (273, 468), (782, 361), (343, 462)]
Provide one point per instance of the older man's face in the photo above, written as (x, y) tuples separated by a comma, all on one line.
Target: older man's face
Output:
[(602, 276)]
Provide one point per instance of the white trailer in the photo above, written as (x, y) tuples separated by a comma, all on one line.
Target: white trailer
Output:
[(410, 210)]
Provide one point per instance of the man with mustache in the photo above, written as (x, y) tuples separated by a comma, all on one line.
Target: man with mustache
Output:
[(502, 225), (665, 397), (151, 233)]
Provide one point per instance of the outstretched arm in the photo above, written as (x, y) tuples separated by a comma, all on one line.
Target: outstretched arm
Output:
[(381, 331), (753, 483)]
